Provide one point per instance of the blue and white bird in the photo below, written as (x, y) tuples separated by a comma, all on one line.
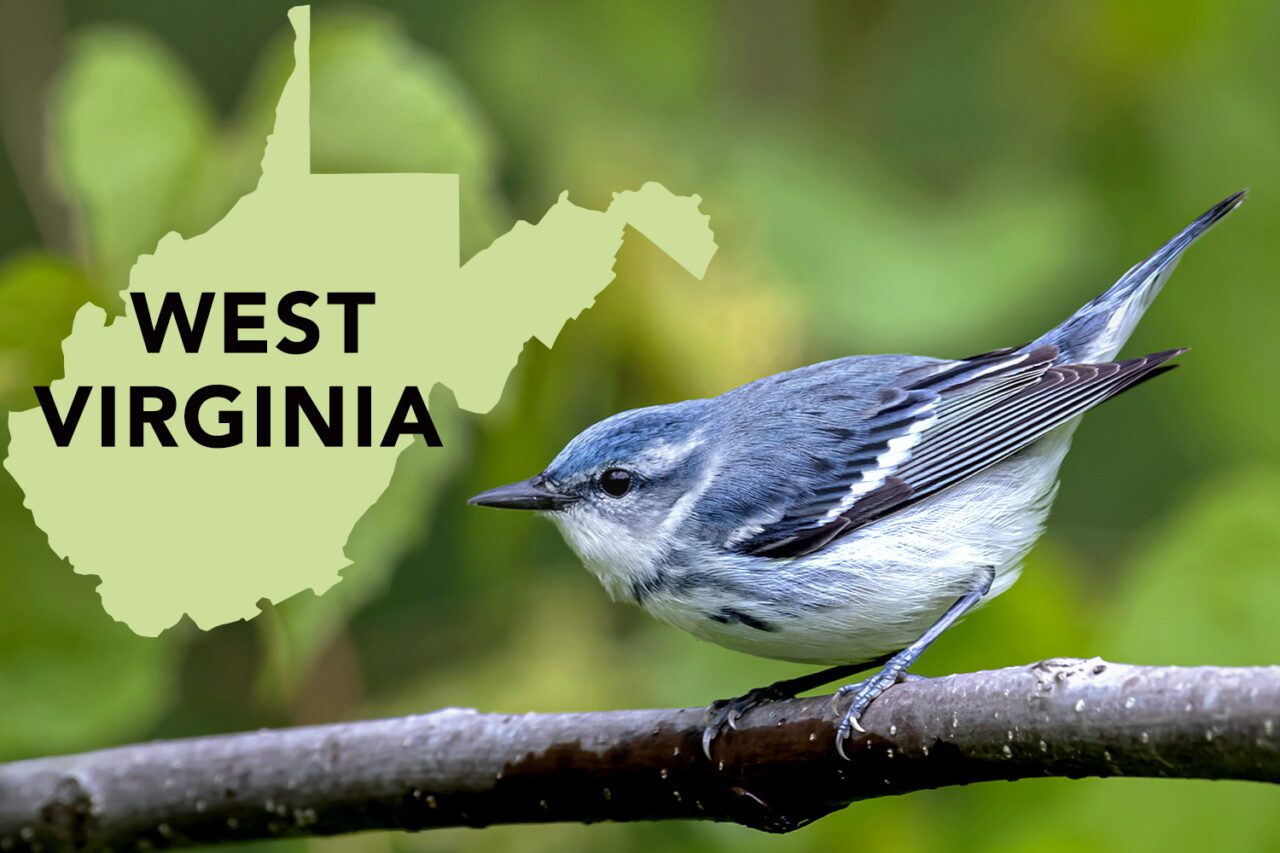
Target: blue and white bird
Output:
[(849, 512)]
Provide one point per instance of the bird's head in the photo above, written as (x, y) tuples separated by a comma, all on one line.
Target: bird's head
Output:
[(622, 490)]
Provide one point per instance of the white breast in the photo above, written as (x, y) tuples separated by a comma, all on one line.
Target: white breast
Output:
[(611, 551), (878, 589)]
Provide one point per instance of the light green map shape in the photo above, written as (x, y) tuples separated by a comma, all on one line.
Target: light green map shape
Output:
[(209, 532)]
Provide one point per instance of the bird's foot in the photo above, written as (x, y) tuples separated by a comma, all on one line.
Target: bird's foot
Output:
[(725, 713), (864, 693)]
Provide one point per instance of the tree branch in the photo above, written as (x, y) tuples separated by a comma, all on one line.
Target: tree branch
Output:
[(778, 772)]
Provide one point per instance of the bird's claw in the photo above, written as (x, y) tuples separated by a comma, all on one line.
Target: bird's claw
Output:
[(725, 713), (865, 692), (708, 734), (841, 736)]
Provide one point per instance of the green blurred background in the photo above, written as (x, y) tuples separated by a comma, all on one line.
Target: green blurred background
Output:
[(928, 178)]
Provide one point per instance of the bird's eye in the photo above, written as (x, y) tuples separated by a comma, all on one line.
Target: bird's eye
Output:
[(616, 482)]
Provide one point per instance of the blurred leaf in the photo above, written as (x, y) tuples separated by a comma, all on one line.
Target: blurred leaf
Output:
[(883, 266), (39, 297), (136, 149), (1202, 591), (379, 103), (70, 677), (129, 130)]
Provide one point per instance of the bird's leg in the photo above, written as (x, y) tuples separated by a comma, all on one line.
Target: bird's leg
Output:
[(724, 713), (896, 669)]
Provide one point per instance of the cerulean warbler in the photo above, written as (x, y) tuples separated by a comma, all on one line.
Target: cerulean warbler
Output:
[(849, 512)]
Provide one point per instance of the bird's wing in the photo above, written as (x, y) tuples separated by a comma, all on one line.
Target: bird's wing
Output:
[(932, 428)]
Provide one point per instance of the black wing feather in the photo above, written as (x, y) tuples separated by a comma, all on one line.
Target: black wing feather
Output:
[(861, 455), (968, 417)]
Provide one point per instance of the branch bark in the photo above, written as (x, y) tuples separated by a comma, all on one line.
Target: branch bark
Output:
[(778, 772)]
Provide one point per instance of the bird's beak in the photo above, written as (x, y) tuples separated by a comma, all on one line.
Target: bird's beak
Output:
[(534, 493)]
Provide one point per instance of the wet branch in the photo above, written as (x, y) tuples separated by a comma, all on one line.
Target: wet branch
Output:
[(460, 768)]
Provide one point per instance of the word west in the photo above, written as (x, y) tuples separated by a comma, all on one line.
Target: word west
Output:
[(152, 411)]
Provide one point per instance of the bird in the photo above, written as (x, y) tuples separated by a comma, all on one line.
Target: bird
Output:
[(847, 513)]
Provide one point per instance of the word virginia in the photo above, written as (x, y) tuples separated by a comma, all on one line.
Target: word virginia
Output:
[(153, 410)]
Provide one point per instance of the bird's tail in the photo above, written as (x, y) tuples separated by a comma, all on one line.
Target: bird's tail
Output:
[(1097, 331)]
